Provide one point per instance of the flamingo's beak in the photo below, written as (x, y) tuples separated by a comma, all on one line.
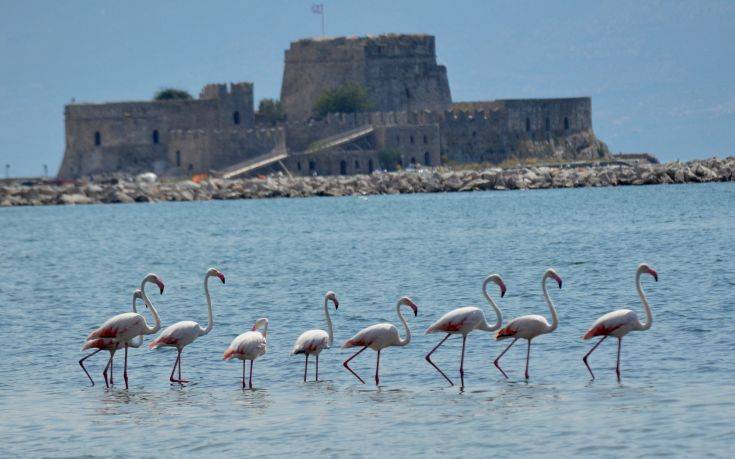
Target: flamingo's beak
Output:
[(415, 309), (655, 275), (160, 285), (502, 289), (336, 303), (221, 277)]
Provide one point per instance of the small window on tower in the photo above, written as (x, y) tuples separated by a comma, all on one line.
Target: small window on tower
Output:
[(97, 138), (548, 124), (236, 117), (528, 124), (178, 158), (155, 136), (566, 123)]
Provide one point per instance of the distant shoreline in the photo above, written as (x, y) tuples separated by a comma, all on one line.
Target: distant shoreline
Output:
[(128, 190)]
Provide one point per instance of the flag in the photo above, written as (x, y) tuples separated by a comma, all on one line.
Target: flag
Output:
[(317, 8)]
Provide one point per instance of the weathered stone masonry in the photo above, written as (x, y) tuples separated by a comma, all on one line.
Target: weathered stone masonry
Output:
[(412, 115)]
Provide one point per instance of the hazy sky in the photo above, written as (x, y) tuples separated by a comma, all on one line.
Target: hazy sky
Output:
[(661, 74)]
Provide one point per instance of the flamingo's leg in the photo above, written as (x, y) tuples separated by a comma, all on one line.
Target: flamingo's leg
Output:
[(377, 370), (617, 366), (109, 365), (584, 359), (497, 360), (125, 366), (250, 382), (428, 359), (346, 363), (81, 363), (178, 360), (112, 371), (316, 378), (528, 356), (461, 361), (306, 364), (243, 374), (176, 363)]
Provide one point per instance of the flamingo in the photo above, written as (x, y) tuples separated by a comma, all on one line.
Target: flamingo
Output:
[(249, 346), (619, 323), (109, 344), (379, 336), (185, 332), (119, 330), (531, 326), (463, 321), (315, 341)]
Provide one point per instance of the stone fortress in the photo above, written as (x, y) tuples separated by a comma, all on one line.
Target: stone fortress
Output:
[(412, 121)]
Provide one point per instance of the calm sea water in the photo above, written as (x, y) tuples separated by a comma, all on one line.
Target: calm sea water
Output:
[(64, 270)]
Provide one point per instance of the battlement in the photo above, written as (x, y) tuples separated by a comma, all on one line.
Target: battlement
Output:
[(221, 90), (371, 46)]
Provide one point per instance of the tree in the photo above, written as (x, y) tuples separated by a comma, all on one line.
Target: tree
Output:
[(172, 94), (389, 159), (348, 98), (270, 111)]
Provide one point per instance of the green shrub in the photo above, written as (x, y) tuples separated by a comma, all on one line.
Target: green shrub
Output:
[(349, 98), (172, 94), (270, 111), (389, 159)]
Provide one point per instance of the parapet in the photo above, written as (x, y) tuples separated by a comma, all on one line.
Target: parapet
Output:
[(222, 90)]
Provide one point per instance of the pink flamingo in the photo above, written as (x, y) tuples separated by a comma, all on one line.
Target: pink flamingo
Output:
[(315, 341), (379, 336), (110, 345), (463, 321), (185, 332), (531, 326), (619, 323), (249, 346), (119, 330)]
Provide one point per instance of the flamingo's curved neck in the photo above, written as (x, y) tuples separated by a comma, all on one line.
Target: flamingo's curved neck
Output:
[(407, 339), (486, 326), (554, 318), (138, 340), (210, 319), (265, 329), (329, 320), (646, 307), (154, 313)]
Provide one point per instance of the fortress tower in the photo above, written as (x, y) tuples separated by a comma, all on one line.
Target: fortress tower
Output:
[(399, 72)]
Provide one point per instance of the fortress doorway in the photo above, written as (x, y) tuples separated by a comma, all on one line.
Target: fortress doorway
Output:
[(343, 167)]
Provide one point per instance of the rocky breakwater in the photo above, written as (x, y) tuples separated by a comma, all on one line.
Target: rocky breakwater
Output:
[(129, 190)]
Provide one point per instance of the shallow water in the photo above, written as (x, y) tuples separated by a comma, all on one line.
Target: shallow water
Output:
[(66, 269)]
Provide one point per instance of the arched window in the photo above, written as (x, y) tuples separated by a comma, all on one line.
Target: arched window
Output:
[(408, 93), (413, 161), (370, 166), (236, 117), (178, 158), (400, 162), (357, 165), (474, 133), (398, 140), (426, 140), (566, 123), (298, 165), (97, 138), (548, 124), (427, 159), (528, 124), (410, 139), (312, 166), (191, 167), (343, 167), (155, 136)]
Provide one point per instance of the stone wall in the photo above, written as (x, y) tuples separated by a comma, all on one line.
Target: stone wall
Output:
[(129, 134), (399, 72), (201, 151)]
